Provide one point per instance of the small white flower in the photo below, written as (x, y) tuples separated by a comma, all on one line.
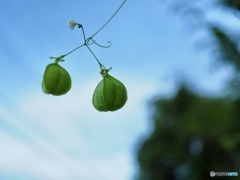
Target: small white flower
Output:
[(71, 24)]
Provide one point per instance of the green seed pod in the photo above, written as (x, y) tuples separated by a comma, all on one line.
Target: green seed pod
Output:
[(110, 94), (56, 80)]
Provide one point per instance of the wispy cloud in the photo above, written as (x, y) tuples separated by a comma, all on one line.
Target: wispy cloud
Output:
[(66, 138)]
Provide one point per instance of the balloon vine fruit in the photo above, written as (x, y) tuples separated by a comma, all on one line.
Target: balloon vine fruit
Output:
[(56, 80), (110, 94)]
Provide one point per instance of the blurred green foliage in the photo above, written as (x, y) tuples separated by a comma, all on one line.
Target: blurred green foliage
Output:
[(226, 47), (230, 3), (194, 135)]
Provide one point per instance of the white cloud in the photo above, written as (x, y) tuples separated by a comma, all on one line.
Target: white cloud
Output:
[(69, 139), (17, 156)]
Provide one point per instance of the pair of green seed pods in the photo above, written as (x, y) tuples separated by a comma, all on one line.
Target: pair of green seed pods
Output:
[(109, 95)]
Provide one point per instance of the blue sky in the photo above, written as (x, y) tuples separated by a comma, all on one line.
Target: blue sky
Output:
[(48, 137)]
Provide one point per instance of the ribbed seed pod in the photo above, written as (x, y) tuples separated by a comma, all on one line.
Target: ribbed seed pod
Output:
[(110, 94), (56, 80)]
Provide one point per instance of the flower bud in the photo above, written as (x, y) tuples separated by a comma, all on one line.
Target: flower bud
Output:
[(71, 24), (110, 94), (56, 80)]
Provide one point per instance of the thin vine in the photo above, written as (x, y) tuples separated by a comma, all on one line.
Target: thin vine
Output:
[(89, 41)]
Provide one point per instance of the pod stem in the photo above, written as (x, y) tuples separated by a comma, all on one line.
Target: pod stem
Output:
[(100, 64), (104, 71)]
